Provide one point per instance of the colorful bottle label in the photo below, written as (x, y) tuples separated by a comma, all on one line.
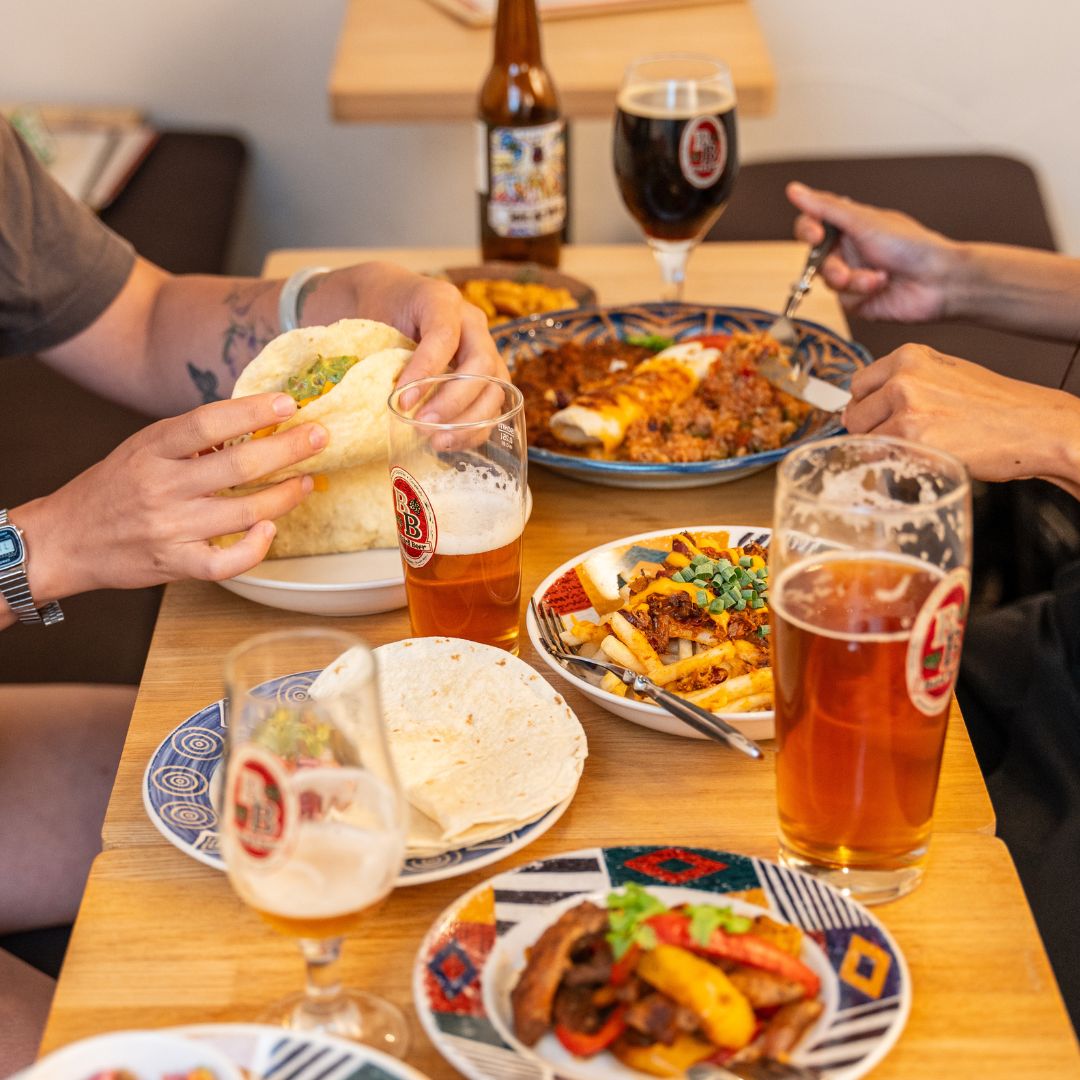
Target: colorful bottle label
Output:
[(525, 179)]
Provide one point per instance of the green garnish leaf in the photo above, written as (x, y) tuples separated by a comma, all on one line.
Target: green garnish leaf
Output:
[(656, 342), (627, 915), (706, 918)]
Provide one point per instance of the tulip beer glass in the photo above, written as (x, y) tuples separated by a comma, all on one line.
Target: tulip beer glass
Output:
[(869, 565), (313, 824), (458, 469), (676, 153)]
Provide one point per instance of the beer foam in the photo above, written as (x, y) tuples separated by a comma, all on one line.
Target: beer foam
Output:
[(674, 101), (476, 510)]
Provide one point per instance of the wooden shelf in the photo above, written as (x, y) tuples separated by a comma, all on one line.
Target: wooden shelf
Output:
[(406, 60)]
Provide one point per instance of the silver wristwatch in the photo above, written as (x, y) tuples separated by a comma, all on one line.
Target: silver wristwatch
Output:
[(14, 586)]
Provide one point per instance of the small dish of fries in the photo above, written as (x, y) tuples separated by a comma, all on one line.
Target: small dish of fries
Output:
[(505, 291), (687, 607)]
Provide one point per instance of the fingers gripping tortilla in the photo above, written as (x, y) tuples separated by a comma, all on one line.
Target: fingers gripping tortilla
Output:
[(341, 376), (350, 510)]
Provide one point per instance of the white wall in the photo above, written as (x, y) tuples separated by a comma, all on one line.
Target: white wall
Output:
[(854, 76)]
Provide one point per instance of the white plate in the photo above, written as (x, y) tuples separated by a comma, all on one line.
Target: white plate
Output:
[(351, 583), (270, 1053), (473, 951), (754, 725), (181, 792)]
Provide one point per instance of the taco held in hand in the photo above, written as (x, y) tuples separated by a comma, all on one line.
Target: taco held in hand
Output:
[(341, 377)]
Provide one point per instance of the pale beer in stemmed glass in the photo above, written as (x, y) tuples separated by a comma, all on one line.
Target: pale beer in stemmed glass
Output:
[(676, 153), (313, 821), (869, 567), (459, 489)]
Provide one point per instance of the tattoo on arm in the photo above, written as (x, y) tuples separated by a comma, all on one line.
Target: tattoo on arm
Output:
[(246, 333), (206, 382)]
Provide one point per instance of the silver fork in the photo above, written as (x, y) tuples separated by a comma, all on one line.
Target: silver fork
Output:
[(701, 720), (791, 375)]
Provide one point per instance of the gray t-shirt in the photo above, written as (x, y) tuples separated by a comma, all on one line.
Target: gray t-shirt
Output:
[(60, 267)]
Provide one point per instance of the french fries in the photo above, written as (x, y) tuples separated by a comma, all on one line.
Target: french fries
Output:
[(701, 662), (501, 299)]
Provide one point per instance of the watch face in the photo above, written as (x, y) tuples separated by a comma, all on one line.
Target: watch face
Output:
[(11, 549)]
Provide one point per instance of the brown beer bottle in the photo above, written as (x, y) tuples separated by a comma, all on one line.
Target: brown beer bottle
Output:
[(521, 146)]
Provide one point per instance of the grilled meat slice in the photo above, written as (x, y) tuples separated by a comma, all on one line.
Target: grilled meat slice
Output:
[(533, 996), (763, 989), (787, 1027)]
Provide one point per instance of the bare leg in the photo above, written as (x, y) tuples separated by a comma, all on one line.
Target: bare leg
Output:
[(59, 747), (24, 1003)]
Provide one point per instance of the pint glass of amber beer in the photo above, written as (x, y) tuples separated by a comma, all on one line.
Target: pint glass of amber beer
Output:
[(870, 569), (458, 469)]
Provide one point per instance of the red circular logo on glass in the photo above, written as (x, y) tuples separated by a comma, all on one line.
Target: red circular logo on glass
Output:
[(416, 526), (933, 658), (703, 151), (259, 804)]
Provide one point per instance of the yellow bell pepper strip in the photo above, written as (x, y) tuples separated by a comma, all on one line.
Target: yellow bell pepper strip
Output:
[(673, 927), (657, 1059), (584, 1044), (723, 1011)]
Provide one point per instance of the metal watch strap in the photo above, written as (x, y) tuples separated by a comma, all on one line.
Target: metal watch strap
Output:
[(292, 293), (15, 588)]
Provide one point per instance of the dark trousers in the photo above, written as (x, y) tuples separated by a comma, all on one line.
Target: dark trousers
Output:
[(1019, 691)]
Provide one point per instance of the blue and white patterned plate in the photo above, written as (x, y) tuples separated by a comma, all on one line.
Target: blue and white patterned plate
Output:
[(181, 794), (831, 357), (266, 1052), (470, 958)]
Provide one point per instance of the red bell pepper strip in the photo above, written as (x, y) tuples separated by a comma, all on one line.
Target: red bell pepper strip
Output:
[(585, 1045), (673, 928), (622, 969)]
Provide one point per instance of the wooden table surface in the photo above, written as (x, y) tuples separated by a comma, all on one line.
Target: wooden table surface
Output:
[(162, 940), (406, 60)]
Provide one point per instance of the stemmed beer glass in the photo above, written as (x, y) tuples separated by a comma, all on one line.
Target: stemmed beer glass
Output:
[(676, 153), (313, 829)]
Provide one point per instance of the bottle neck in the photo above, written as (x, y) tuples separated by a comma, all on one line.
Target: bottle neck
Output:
[(517, 34)]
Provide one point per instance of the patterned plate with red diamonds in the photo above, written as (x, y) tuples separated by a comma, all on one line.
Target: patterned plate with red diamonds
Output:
[(471, 957)]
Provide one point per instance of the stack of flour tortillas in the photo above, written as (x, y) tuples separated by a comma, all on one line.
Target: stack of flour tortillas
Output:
[(350, 508), (482, 743)]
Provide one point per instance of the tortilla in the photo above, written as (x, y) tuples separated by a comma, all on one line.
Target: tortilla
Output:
[(482, 743), (354, 412), (354, 513)]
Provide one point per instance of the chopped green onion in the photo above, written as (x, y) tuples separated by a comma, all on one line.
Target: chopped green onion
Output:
[(757, 603), (716, 607), (746, 561), (702, 598), (747, 594), (740, 604), (764, 631)]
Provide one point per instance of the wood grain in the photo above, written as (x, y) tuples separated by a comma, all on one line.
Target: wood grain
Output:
[(405, 60)]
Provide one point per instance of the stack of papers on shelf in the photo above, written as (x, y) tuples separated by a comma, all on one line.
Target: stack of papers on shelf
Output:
[(92, 153), (482, 12)]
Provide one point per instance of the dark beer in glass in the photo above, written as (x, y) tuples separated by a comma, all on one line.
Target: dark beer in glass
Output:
[(676, 153)]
